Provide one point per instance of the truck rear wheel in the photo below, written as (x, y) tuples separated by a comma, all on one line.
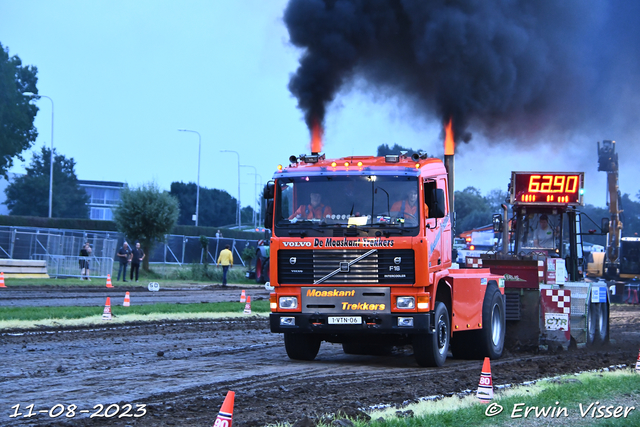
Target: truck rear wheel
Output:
[(431, 349), (488, 341), (301, 346), (493, 323)]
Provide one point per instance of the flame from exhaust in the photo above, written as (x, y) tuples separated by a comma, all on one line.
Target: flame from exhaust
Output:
[(449, 144), (316, 137)]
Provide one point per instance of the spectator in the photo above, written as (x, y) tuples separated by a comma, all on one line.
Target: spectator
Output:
[(85, 252), (124, 256), (137, 255), (226, 261), (218, 235)]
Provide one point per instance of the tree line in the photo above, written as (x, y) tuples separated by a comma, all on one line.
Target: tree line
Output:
[(28, 195)]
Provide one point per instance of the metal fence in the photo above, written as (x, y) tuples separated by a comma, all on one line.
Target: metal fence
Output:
[(188, 250), (69, 266), (59, 248)]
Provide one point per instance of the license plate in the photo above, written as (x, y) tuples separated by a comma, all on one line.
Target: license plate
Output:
[(345, 320)]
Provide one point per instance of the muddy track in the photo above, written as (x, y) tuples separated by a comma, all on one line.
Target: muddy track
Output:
[(182, 370)]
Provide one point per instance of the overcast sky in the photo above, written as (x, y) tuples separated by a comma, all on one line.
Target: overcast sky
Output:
[(126, 75)]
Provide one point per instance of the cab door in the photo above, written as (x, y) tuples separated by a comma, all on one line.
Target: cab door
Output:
[(437, 224)]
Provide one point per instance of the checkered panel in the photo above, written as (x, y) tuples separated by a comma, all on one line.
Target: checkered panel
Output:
[(561, 298)]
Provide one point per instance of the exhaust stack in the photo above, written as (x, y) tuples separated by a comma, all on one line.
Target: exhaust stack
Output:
[(449, 150)]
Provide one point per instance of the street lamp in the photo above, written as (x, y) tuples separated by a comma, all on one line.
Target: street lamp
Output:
[(31, 94), (239, 205), (255, 194), (198, 184), (259, 214)]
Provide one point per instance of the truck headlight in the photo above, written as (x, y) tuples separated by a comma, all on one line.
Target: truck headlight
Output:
[(289, 302), (405, 302)]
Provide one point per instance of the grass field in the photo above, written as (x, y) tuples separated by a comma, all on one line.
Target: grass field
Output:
[(59, 313), (34, 317), (594, 398)]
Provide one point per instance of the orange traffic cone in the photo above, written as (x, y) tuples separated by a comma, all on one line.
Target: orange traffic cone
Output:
[(638, 364), (485, 387), (247, 306), (109, 285), (106, 315), (2, 280), (127, 300), (225, 416), (243, 297)]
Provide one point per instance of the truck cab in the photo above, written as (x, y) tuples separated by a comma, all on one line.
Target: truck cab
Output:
[(361, 255)]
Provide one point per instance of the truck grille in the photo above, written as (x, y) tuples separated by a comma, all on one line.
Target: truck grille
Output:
[(386, 266)]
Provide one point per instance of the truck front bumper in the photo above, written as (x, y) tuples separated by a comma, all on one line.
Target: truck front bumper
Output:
[(384, 323)]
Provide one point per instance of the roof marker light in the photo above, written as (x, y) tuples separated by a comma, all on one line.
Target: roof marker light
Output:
[(359, 163), (346, 164), (333, 164), (280, 167)]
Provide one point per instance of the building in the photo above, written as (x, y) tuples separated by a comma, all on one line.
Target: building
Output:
[(103, 197)]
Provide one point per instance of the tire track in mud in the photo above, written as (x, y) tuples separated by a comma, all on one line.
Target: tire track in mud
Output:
[(203, 360)]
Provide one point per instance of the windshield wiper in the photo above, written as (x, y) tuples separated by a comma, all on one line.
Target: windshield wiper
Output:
[(321, 228), (389, 231), (301, 233)]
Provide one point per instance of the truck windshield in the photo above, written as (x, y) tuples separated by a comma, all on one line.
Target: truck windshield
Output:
[(539, 233), (344, 201)]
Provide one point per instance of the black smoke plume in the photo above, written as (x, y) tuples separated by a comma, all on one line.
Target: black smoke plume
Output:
[(507, 68)]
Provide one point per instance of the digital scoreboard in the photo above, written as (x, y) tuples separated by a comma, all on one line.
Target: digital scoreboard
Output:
[(547, 188)]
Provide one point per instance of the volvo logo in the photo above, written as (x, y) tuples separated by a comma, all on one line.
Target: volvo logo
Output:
[(397, 260), (292, 260)]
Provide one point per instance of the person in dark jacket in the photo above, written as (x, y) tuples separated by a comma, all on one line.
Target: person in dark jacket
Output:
[(137, 255), (85, 253), (124, 256)]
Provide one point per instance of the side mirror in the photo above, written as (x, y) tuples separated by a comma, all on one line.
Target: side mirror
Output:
[(497, 223), (605, 225), (439, 207), (268, 215), (269, 190)]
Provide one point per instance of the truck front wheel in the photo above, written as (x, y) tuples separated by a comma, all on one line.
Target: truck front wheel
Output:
[(301, 346), (431, 349)]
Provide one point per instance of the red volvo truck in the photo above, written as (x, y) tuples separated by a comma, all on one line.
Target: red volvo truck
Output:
[(360, 254)]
